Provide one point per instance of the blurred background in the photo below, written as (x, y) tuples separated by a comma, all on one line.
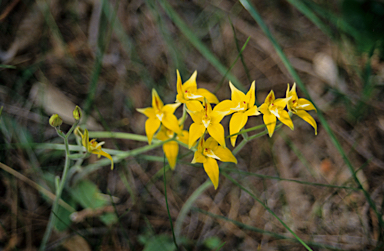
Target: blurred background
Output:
[(106, 56)]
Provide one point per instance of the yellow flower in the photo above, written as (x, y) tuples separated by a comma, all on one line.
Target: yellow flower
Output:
[(299, 106), (273, 108), (242, 106), (92, 146), (206, 119), (207, 153), (171, 149), (159, 113), (189, 94)]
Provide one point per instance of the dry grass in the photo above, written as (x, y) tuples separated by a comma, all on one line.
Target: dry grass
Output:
[(59, 53)]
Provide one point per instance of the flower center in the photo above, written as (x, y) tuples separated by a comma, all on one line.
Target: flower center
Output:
[(189, 95), (159, 115), (206, 120), (209, 153)]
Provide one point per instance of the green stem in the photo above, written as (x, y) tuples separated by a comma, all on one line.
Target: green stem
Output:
[(166, 202), (59, 190)]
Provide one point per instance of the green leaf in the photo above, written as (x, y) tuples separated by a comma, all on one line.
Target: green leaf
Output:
[(109, 218), (63, 220), (87, 195)]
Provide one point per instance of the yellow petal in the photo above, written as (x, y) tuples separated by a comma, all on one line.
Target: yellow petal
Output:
[(216, 116), (224, 154), (170, 121), (162, 134), (151, 126), (212, 170), (179, 86), (270, 98), (184, 137), (211, 143), (157, 104), (211, 98), (236, 95), (194, 105), (250, 97), (149, 112), (170, 108), (102, 153), (270, 123), (195, 132), (281, 103), (304, 104), (308, 118), (217, 132), (171, 149), (225, 106), (285, 119), (237, 122), (252, 111), (264, 109), (190, 84), (198, 157)]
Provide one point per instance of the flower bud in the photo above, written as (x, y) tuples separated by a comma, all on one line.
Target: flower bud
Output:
[(55, 120), (77, 113)]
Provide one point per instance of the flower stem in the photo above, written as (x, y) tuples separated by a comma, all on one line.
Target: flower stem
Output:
[(59, 190)]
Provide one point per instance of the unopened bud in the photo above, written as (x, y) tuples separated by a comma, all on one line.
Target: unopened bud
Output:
[(77, 113), (55, 120)]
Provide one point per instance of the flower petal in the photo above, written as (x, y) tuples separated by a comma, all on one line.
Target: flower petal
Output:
[(252, 111), (237, 122), (285, 119), (270, 98), (85, 140), (149, 112), (199, 158), (194, 105), (211, 98), (308, 118), (151, 126), (179, 86), (250, 96), (171, 150), (217, 132), (184, 137), (281, 103), (195, 132), (225, 106), (170, 121), (236, 95), (157, 104), (270, 123), (170, 108), (102, 153), (225, 154), (190, 84), (264, 109), (304, 104), (212, 169)]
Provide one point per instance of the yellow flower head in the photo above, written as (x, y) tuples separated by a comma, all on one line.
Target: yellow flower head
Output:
[(242, 106), (299, 106), (171, 149), (272, 109), (189, 94), (159, 114), (205, 118), (93, 146), (207, 153)]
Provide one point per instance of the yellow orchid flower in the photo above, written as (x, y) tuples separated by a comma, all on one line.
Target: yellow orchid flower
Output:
[(206, 119), (159, 114), (299, 106), (171, 149), (93, 146), (272, 109), (207, 153), (242, 106), (189, 94)]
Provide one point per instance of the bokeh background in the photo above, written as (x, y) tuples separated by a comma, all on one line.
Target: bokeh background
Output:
[(106, 56)]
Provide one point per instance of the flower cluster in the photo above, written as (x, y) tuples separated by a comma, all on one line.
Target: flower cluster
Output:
[(206, 120)]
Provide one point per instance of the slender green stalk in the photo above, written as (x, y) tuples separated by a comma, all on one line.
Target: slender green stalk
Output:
[(166, 202), (268, 209), (59, 189)]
